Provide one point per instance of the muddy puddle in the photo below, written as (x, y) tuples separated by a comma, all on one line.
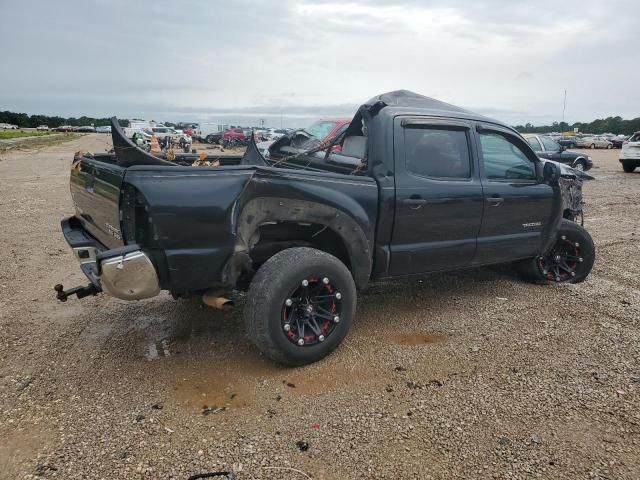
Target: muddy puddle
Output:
[(413, 339), (251, 380)]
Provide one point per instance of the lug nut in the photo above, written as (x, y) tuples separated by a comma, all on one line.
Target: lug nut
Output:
[(336, 319), (301, 341), (581, 259), (321, 338), (544, 272), (325, 280), (288, 302), (287, 327), (577, 244), (557, 279), (338, 295), (563, 237), (305, 283), (573, 274)]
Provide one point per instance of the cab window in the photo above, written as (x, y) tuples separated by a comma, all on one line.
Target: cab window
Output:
[(504, 160)]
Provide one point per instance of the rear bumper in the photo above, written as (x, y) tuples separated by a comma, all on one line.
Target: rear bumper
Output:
[(126, 272)]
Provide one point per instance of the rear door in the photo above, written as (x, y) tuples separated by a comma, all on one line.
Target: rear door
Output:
[(518, 206), (439, 199), (95, 190)]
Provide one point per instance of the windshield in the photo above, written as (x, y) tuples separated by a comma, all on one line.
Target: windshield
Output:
[(550, 144), (321, 129)]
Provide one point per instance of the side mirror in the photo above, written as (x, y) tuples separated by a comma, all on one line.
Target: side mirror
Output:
[(550, 172)]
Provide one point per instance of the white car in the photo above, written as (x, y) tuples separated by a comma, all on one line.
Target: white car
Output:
[(630, 153), (8, 126), (43, 128)]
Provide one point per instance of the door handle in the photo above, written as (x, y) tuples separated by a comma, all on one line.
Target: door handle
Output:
[(495, 201), (414, 203)]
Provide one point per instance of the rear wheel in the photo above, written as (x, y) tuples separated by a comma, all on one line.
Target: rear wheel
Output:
[(300, 306), (569, 260), (628, 167)]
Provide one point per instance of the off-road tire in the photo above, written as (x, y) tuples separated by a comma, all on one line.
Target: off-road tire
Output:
[(530, 271), (269, 290), (628, 167)]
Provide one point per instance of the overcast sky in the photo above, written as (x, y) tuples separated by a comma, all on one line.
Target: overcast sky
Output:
[(242, 60)]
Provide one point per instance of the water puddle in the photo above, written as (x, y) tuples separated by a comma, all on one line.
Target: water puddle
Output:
[(413, 339), (157, 349)]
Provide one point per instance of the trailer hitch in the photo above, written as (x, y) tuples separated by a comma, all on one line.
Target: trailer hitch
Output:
[(80, 292)]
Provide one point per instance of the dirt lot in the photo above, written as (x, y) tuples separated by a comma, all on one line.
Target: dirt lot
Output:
[(462, 375)]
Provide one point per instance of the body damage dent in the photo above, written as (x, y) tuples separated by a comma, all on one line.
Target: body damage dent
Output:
[(260, 211)]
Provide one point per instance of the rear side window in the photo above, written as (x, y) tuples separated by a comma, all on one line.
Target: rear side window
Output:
[(437, 152), (635, 137)]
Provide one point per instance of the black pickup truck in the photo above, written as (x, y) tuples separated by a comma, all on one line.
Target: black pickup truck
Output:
[(418, 186)]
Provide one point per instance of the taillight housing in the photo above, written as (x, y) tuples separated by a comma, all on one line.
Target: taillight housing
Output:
[(134, 216)]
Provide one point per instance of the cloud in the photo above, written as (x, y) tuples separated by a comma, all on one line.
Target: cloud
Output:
[(299, 59)]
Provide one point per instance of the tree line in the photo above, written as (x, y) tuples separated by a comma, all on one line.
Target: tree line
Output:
[(23, 120), (614, 125)]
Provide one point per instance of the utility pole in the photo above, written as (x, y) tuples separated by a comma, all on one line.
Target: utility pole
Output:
[(564, 105)]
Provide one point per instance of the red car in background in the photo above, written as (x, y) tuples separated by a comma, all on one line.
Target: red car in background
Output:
[(328, 129), (237, 133)]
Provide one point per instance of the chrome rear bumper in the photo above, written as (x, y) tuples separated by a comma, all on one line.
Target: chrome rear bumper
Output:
[(130, 276), (126, 272)]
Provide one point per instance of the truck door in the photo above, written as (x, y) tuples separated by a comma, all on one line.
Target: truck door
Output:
[(439, 201), (518, 205)]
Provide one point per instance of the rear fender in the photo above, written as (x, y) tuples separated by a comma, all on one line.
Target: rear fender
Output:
[(260, 211)]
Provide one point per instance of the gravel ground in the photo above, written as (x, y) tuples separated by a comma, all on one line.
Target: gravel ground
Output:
[(461, 375)]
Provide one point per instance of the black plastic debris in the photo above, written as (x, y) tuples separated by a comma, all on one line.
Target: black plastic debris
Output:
[(139, 418), (229, 475), (302, 445)]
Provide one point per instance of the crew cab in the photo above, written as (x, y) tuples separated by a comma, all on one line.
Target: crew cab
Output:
[(546, 147), (419, 186)]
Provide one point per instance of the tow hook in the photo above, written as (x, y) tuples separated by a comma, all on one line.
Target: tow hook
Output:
[(80, 292)]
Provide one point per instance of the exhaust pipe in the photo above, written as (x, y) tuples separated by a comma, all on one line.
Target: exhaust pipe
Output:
[(214, 298)]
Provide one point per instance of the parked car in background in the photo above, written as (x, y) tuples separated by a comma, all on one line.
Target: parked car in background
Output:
[(64, 128), (85, 129), (569, 142), (328, 129), (547, 148), (593, 142), (235, 133), (44, 128), (616, 142), (8, 126), (630, 153), (103, 129)]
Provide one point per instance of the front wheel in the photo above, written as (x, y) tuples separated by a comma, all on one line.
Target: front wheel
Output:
[(628, 167), (569, 260), (300, 306)]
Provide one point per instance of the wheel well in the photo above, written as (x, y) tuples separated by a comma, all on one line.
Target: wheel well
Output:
[(272, 237)]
